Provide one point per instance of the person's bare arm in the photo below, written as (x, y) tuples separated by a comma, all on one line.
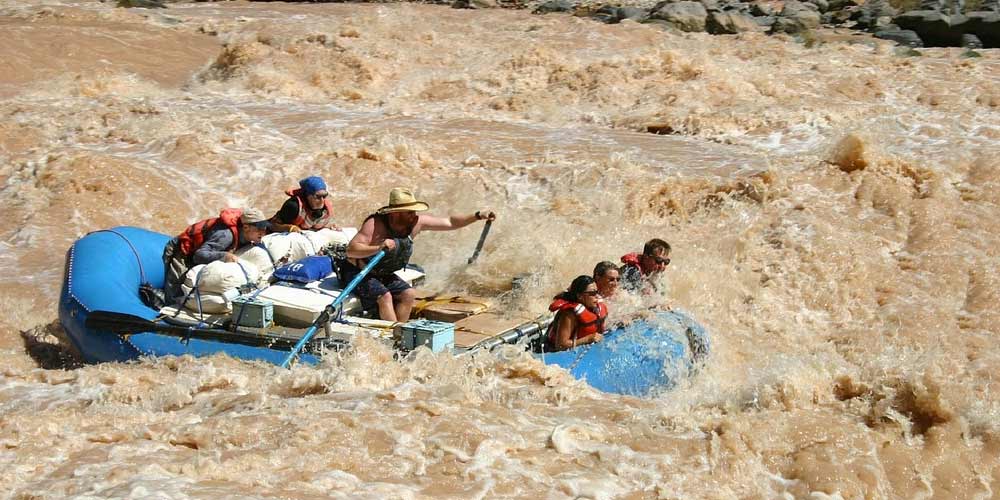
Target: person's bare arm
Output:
[(361, 244), (432, 223), (564, 331)]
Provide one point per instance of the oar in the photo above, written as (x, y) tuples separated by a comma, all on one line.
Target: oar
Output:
[(325, 315), (482, 239), (124, 324)]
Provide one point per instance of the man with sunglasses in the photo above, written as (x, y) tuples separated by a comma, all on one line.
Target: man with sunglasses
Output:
[(307, 207), (638, 271)]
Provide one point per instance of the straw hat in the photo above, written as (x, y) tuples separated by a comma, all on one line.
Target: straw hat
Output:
[(401, 200)]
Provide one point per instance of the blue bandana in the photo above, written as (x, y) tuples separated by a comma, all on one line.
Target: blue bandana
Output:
[(313, 184)]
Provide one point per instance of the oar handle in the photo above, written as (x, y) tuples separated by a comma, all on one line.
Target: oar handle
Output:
[(482, 239), (325, 315)]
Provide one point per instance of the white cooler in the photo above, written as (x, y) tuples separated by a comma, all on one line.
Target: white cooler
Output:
[(299, 307)]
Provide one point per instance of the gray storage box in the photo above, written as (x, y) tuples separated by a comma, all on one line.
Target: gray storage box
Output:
[(253, 312), (436, 335)]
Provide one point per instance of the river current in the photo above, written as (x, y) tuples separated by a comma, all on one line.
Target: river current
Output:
[(833, 208)]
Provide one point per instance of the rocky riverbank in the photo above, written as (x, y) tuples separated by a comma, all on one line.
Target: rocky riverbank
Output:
[(935, 23), (932, 23)]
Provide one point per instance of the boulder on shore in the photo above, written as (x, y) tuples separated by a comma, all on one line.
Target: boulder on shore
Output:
[(908, 38), (730, 23), (685, 15)]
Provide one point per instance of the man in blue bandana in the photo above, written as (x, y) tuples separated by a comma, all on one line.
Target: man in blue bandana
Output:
[(307, 207)]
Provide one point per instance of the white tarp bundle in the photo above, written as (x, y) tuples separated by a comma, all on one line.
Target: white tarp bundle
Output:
[(281, 248), (217, 283), (290, 247), (259, 258), (329, 237)]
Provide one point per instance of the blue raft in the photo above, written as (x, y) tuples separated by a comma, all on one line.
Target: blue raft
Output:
[(104, 270), (640, 358)]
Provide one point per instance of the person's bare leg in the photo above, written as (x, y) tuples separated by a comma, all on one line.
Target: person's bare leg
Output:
[(385, 308), (404, 304)]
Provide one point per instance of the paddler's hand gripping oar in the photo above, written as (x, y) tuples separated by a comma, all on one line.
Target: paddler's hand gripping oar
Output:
[(482, 239), (325, 315)]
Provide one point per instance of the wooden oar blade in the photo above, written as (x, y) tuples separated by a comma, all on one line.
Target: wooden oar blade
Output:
[(482, 239)]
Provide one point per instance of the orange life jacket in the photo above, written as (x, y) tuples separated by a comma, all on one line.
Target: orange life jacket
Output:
[(632, 259), (304, 220), (587, 322), (194, 236)]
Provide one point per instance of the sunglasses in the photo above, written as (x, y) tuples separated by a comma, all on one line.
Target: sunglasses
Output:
[(320, 196), (664, 261)]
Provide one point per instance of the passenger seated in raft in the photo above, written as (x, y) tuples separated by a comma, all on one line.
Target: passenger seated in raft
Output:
[(392, 228), (639, 271), (580, 316), (607, 277), (210, 240), (307, 207)]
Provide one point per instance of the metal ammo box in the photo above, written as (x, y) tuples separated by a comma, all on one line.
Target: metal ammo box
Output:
[(253, 312), (436, 335)]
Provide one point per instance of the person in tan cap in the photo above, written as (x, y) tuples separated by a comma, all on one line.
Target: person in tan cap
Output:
[(210, 240), (392, 228)]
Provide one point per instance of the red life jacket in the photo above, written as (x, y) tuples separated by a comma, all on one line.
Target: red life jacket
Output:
[(632, 259), (194, 236), (587, 322), (304, 220)]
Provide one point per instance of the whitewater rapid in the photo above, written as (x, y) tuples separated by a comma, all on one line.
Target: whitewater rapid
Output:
[(833, 212)]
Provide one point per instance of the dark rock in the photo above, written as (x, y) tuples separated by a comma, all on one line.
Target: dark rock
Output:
[(474, 4), (821, 5), (873, 14), (685, 16), (836, 17), (142, 4), (761, 9), (908, 38), (970, 41), (765, 21), (730, 23), (841, 4), (554, 6), (607, 14), (986, 26), (933, 27), (612, 15), (710, 5), (742, 8), (633, 13)]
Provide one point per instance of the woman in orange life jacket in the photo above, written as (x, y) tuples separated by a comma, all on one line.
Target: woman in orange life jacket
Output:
[(580, 316), (307, 207)]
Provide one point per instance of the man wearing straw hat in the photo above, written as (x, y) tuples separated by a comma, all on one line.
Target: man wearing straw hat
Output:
[(392, 228)]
